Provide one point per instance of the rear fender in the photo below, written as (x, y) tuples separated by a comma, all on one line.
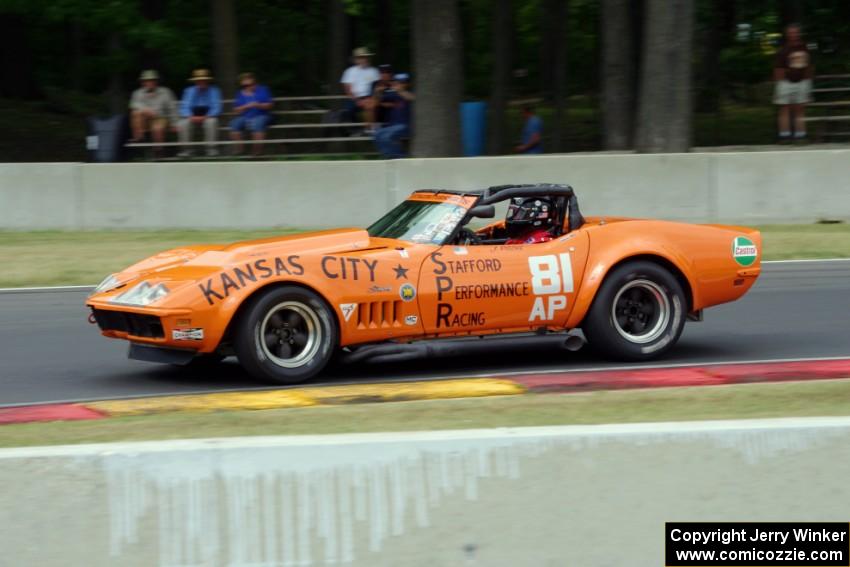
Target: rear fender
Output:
[(604, 257)]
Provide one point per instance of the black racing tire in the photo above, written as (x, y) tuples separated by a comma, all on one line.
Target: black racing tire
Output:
[(285, 335), (638, 313)]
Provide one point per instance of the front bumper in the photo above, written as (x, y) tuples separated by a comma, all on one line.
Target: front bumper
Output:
[(177, 328), (128, 323)]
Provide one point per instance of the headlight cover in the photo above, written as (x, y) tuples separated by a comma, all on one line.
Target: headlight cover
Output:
[(141, 294), (110, 282)]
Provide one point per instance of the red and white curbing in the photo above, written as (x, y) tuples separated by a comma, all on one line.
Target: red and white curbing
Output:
[(563, 382)]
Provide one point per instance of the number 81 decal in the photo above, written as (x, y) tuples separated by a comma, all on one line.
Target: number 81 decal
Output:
[(551, 276)]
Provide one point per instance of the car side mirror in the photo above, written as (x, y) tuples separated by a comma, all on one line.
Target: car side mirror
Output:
[(483, 212)]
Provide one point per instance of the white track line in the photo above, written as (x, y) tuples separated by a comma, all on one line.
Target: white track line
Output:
[(806, 261), (46, 289), (61, 288)]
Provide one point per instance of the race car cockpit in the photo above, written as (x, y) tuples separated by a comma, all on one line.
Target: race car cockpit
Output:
[(536, 213)]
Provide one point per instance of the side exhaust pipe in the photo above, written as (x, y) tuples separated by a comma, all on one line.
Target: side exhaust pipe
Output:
[(573, 343)]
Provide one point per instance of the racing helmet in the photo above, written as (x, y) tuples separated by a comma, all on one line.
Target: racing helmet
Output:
[(529, 213)]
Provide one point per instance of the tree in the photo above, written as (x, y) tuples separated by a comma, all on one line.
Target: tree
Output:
[(437, 51), (225, 45), (664, 105), (503, 35), (384, 29), (559, 73), (16, 69), (617, 75), (337, 43)]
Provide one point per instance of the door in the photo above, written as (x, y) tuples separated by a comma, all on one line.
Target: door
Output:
[(469, 289)]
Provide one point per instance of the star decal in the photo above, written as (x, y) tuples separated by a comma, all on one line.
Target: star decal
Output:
[(400, 272)]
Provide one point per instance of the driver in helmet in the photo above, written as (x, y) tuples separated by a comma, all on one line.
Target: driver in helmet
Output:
[(529, 220)]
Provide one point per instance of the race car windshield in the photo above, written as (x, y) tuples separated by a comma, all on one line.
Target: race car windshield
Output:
[(423, 222)]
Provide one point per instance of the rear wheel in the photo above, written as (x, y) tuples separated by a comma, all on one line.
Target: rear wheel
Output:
[(638, 313), (285, 335)]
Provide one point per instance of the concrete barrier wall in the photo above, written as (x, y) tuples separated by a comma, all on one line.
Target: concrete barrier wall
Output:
[(575, 495), (751, 187)]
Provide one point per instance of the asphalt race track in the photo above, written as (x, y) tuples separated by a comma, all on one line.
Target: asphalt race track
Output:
[(49, 351)]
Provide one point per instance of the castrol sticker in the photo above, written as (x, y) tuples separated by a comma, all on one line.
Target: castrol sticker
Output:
[(744, 251)]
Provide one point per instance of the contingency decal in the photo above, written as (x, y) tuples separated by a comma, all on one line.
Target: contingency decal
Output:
[(196, 334), (407, 292), (551, 276), (347, 309), (744, 251)]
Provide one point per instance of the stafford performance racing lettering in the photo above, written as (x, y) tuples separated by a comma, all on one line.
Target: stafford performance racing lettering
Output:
[(237, 278), (480, 291), (464, 266), (348, 268), (446, 316)]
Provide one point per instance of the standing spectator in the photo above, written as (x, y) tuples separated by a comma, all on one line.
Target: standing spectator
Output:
[(382, 93), (200, 107), (388, 138), (357, 83), (252, 105), (793, 72), (532, 133), (152, 108)]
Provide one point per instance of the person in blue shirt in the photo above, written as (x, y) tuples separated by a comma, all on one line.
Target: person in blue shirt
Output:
[(252, 106), (388, 138), (200, 107), (532, 133)]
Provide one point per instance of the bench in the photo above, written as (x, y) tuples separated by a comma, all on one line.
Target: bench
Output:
[(835, 111), (295, 126)]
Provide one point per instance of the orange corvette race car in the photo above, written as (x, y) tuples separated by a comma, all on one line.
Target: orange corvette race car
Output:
[(287, 306)]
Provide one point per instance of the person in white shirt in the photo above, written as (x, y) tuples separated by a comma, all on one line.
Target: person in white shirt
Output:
[(357, 82)]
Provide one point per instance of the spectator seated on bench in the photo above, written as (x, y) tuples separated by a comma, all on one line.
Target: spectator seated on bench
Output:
[(389, 137), (252, 105), (357, 83), (152, 109), (200, 107)]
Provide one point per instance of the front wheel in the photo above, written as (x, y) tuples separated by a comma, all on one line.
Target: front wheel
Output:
[(285, 335), (638, 313)]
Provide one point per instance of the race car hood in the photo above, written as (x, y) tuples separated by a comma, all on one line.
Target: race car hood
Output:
[(193, 262)]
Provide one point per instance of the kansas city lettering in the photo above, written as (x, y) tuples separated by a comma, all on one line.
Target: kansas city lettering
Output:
[(216, 289), (465, 266), (347, 268)]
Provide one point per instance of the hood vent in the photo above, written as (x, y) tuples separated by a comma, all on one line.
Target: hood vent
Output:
[(379, 314)]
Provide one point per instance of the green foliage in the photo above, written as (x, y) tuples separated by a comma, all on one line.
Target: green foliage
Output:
[(744, 63)]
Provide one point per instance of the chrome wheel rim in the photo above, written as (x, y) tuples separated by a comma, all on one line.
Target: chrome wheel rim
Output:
[(641, 311), (290, 334)]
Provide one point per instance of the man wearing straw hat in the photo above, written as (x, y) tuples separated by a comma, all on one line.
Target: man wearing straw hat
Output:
[(357, 83), (200, 107), (152, 108)]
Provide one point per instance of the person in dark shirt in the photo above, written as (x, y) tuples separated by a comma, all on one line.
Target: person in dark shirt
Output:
[(793, 72), (531, 141), (383, 94), (388, 138)]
